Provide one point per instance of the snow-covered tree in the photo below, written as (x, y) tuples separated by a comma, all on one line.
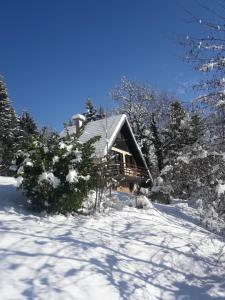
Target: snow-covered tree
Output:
[(27, 124), (203, 164), (206, 52), (179, 131), (10, 133), (134, 100), (56, 173), (92, 113), (196, 127), (148, 113), (163, 127)]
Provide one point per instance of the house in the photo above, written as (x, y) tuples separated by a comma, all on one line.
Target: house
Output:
[(116, 138)]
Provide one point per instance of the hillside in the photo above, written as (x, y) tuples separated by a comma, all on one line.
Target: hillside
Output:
[(159, 253)]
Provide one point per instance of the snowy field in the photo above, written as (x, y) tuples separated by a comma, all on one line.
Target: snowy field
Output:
[(159, 253)]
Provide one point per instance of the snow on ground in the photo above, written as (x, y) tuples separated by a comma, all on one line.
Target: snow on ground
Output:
[(159, 253)]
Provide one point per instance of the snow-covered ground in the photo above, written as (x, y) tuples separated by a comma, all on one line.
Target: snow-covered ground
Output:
[(159, 253)]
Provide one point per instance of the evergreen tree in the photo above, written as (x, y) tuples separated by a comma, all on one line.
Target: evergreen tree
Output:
[(10, 133), (91, 111), (196, 128), (28, 125), (176, 133), (56, 174), (157, 142), (6, 112)]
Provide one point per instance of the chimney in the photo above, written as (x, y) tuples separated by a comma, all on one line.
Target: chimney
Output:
[(78, 120)]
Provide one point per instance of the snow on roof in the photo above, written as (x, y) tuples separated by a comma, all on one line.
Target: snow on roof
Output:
[(107, 129)]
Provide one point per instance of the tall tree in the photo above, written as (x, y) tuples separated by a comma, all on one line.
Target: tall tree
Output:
[(27, 124), (91, 111), (206, 52), (196, 127), (204, 163), (176, 132), (9, 130)]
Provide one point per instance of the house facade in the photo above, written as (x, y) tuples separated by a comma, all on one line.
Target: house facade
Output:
[(118, 141)]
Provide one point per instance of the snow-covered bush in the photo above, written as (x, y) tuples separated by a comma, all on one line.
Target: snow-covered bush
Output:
[(160, 191), (199, 174), (55, 174), (177, 176), (144, 191), (109, 201), (114, 201), (143, 202)]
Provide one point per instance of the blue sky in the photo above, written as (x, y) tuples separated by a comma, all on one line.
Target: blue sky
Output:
[(55, 54)]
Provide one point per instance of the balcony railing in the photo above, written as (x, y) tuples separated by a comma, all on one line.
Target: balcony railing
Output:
[(129, 170)]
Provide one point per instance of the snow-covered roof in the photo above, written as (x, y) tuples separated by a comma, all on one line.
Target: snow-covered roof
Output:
[(108, 129)]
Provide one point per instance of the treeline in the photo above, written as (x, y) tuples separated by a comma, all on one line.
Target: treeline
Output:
[(183, 144)]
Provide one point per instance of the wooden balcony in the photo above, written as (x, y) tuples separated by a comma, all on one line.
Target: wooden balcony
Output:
[(129, 171)]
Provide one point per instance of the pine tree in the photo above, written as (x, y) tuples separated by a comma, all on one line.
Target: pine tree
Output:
[(157, 142), (6, 112), (196, 128), (27, 124), (9, 130), (176, 133), (91, 113), (182, 136), (56, 173)]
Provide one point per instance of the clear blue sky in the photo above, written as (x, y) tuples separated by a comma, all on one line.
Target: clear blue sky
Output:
[(55, 54)]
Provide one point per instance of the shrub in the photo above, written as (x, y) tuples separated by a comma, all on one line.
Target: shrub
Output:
[(200, 174), (55, 174), (160, 191)]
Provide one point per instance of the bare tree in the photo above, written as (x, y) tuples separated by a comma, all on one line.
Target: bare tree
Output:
[(206, 52)]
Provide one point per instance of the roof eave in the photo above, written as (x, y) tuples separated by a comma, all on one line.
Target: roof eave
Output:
[(112, 139)]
